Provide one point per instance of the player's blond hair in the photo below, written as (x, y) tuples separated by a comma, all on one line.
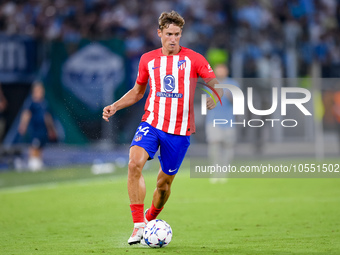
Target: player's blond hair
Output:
[(168, 18)]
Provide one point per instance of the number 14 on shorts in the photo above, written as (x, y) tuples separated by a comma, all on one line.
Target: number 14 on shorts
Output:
[(140, 132), (143, 130)]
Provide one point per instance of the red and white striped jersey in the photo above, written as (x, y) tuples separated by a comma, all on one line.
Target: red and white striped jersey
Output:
[(169, 106)]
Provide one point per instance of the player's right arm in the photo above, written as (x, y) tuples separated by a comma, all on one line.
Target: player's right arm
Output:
[(24, 121), (131, 97)]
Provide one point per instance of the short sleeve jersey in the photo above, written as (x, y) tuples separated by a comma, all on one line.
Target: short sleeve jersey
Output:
[(38, 111), (172, 80)]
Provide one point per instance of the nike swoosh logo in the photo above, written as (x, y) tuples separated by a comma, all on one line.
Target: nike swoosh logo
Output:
[(153, 68), (170, 171)]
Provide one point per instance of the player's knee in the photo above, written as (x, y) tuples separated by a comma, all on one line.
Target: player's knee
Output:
[(135, 167), (163, 187)]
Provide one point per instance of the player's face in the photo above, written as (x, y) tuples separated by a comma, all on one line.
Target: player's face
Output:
[(221, 71), (38, 93), (170, 37)]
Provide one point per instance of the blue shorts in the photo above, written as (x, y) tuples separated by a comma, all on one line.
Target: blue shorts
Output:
[(39, 138), (172, 147)]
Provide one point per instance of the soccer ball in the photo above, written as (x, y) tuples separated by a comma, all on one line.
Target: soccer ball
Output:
[(157, 233)]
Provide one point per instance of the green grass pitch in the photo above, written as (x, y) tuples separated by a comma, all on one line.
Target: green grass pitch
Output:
[(65, 215)]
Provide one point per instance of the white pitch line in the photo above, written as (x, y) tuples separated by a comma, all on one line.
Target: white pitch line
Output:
[(53, 185)]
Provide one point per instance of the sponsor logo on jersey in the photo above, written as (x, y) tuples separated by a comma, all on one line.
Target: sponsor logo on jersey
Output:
[(169, 95), (169, 83)]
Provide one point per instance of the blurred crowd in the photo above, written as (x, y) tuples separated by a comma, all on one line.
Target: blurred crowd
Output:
[(253, 38), (257, 28)]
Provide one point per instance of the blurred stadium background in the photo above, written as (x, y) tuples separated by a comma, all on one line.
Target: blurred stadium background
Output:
[(86, 53)]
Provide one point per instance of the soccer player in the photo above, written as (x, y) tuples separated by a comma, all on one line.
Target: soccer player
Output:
[(172, 72), (37, 115), (221, 139)]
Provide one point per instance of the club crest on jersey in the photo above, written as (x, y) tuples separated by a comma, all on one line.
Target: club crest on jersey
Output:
[(181, 64), (138, 138)]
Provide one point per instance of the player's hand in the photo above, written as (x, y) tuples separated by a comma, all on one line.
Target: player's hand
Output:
[(52, 134), (3, 105), (210, 103), (108, 111)]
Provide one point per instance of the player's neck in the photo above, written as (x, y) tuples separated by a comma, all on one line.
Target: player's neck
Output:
[(170, 53)]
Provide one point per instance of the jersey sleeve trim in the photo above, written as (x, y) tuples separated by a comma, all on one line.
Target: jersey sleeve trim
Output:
[(143, 74)]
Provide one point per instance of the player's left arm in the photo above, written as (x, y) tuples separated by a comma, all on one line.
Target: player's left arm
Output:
[(205, 71), (51, 131), (210, 102)]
